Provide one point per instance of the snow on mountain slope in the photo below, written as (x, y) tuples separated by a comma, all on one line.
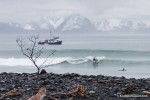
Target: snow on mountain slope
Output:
[(28, 27), (106, 25), (77, 23), (51, 22), (56, 21), (73, 22), (111, 24)]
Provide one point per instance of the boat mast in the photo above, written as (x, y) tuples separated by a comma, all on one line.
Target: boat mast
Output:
[(50, 34)]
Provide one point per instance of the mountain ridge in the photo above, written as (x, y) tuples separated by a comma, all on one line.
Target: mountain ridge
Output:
[(76, 23)]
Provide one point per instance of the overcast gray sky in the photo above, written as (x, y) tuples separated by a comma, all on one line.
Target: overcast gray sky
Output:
[(33, 10)]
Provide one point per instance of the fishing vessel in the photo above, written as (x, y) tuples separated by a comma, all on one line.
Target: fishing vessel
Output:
[(52, 41)]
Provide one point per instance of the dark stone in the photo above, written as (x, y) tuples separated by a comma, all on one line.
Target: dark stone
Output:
[(43, 71), (3, 89), (43, 78), (46, 82), (89, 79), (60, 81), (65, 83)]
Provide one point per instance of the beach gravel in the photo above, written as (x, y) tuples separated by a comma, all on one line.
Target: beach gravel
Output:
[(98, 87)]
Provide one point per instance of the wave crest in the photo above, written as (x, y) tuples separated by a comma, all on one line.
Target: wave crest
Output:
[(68, 60), (50, 61)]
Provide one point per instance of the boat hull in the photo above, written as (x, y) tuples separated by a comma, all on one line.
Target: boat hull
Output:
[(55, 43), (41, 43)]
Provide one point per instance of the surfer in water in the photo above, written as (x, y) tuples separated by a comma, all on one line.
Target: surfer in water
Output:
[(95, 59), (122, 69)]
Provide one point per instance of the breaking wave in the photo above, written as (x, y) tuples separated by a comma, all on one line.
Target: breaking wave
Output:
[(68, 60), (50, 61)]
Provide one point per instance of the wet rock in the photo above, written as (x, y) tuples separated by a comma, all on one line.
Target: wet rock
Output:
[(75, 75), (43, 78), (89, 79), (60, 81), (2, 81), (43, 71), (3, 89), (44, 82), (91, 92)]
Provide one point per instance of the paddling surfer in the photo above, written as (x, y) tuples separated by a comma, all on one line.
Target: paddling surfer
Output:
[(122, 69)]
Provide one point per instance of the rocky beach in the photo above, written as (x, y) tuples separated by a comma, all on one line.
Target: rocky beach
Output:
[(97, 87)]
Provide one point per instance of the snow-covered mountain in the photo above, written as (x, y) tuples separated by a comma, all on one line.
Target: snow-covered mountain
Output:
[(76, 23), (121, 25)]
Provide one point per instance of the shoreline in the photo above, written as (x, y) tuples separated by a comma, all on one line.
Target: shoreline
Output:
[(129, 73), (99, 87)]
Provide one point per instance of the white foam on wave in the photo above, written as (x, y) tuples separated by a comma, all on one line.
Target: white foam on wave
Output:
[(27, 62), (50, 61), (77, 61), (15, 61), (84, 60), (98, 58)]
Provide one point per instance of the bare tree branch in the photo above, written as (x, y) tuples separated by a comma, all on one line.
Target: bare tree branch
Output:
[(32, 51), (41, 66)]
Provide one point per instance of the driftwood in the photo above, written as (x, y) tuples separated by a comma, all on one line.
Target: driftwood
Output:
[(40, 95), (78, 91), (13, 92), (129, 89), (146, 92)]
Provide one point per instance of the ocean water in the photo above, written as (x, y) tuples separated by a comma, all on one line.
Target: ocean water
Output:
[(113, 51)]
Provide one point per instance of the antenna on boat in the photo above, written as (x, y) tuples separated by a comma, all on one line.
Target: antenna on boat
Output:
[(50, 32)]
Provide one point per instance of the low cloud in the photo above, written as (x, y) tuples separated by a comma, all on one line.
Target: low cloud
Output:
[(23, 11)]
